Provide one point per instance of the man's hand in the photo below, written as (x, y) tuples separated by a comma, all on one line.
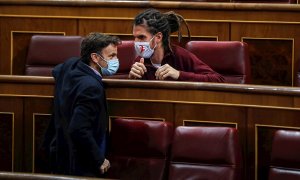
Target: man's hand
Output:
[(166, 71), (138, 69), (105, 166)]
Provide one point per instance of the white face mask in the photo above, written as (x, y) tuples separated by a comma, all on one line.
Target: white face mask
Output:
[(112, 66), (143, 49)]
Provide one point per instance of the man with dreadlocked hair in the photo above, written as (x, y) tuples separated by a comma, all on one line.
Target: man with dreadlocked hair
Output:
[(158, 58)]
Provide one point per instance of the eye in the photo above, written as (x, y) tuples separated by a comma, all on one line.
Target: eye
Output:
[(141, 37)]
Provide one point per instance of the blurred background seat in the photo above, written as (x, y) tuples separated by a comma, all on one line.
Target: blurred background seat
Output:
[(228, 58), (46, 51), (139, 149), (285, 156), (208, 153)]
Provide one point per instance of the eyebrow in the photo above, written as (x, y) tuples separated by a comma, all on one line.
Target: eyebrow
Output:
[(113, 54), (141, 36)]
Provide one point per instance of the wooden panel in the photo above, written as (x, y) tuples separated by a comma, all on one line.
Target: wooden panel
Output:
[(6, 141), (273, 50), (255, 110), (221, 11), (241, 13), (11, 116), (212, 113), (41, 163), (200, 96), (143, 110), (185, 39), (297, 102), (123, 29), (10, 89), (36, 119), (210, 29), (114, 26), (271, 61)]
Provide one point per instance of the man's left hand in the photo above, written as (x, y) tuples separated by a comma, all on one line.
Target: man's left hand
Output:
[(166, 71), (105, 166)]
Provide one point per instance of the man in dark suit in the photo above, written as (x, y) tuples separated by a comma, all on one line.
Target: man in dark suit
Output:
[(80, 113)]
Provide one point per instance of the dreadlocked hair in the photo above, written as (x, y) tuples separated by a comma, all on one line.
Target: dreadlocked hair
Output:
[(166, 23), (175, 22)]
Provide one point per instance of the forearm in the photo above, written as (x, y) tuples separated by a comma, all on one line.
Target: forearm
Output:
[(193, 77)]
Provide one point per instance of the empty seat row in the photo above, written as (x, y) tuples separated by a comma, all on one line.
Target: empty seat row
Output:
[(142, 149), (229, 58)]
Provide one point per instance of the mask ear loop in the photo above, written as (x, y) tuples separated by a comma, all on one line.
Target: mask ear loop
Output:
[(152, 49), (99, 64), (102, 58), (100, 68), (155, 43)]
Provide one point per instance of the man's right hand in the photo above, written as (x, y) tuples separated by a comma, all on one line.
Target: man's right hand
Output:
[(138, 69), (105, 166)]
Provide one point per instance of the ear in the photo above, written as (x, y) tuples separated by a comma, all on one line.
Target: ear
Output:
[(159, 37), (94, 57)]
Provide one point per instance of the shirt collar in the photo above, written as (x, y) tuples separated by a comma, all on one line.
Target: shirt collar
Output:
[(95, 71)]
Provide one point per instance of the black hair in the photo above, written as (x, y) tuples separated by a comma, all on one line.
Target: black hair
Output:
[(166, 23), (94, 43)]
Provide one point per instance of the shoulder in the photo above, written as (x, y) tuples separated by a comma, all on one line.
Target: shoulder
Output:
[(182, 53), (65, 66), (69, 62), (89, 83)]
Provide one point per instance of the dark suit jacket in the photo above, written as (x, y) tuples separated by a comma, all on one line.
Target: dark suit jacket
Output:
[(79, 120)]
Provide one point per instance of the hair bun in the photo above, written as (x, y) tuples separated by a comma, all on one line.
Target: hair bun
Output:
[(175, 21)]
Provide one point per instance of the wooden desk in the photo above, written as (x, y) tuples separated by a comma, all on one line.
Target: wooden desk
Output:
[(256, 111), (272, 31)]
